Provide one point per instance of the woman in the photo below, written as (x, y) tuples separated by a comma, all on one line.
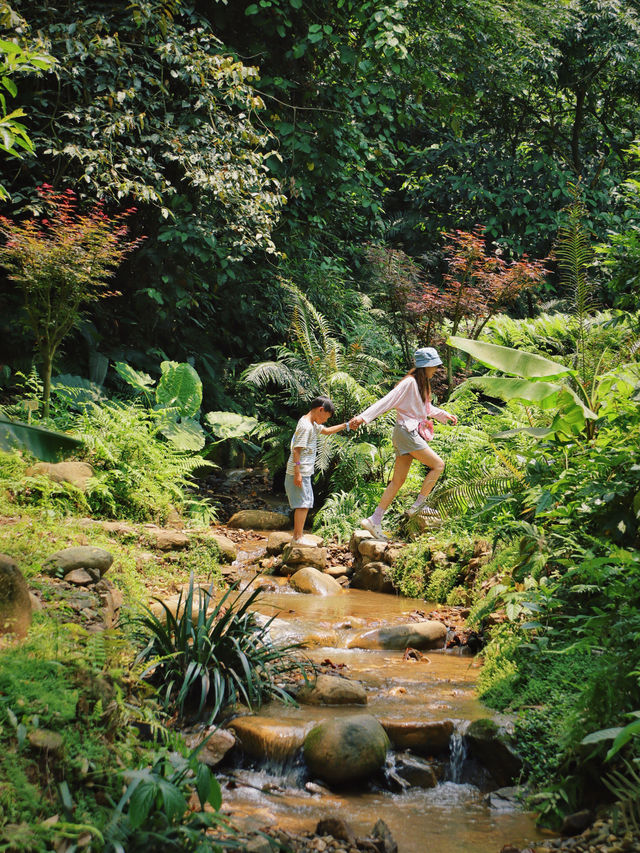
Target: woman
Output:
[(411, 398)]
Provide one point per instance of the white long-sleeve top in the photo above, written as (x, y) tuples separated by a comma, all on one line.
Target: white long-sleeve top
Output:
[(406, 400)]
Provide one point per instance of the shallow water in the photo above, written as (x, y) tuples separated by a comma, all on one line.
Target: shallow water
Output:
[(450, 818)]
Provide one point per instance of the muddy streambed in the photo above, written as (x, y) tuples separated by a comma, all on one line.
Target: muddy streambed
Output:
[(454, 816)]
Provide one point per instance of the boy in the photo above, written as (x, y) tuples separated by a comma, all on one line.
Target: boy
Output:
[(302, 459)]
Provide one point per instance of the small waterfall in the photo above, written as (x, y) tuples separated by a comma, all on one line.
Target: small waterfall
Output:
[(457, 753)]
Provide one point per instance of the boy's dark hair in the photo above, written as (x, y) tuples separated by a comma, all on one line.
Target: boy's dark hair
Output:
[(322, 403)]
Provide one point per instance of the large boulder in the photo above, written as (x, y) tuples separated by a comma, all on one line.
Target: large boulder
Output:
[(312, 581), (75, 473), (95, 561), (428, 634), (303, 555), (333, 690), (426, 737), (15, 601), (493, 746), (269, 737), (259, 519), (346, 749), (374, 576)]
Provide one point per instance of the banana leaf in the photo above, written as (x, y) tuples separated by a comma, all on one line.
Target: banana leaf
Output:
[(546, 395), (44, 444), (517, 362)]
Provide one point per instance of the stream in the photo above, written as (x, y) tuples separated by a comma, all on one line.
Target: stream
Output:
[(453, 816)]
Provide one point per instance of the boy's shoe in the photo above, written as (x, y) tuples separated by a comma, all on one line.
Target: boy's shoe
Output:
[(375, 529)]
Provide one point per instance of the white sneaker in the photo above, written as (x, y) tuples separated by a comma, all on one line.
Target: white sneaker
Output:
[(374, 529), (413, 510), (304, 541)]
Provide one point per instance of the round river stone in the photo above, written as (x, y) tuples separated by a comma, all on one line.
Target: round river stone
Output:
[(346, 749)]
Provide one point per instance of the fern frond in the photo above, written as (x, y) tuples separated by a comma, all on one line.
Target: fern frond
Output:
[(625, 786), (458, 498)]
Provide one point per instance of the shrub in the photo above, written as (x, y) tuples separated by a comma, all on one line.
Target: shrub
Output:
[(212, 654)]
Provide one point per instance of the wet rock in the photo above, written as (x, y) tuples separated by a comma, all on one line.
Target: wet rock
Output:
[(382, 835), (216, 744), (277, 541), (337, 571), (15, 601), (313, 582), (336, 828), (303, 555), (374, 576), (372, 548), (75, 473), (345, 749), (357, 537), (423, 736), (44, 740), (417, 635), (259, 519), (574, 824), (269, 737), (95, 561), (415, 771), (79, 577), (493, 746), (333, 690), (507, 799)]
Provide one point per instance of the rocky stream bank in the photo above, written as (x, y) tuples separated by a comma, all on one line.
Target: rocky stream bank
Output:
[(388, 750)]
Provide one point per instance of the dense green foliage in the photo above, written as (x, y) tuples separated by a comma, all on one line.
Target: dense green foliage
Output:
[(320, 188)]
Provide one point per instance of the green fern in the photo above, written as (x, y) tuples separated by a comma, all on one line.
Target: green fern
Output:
[(457, 497), (625, 786), (574, 255)]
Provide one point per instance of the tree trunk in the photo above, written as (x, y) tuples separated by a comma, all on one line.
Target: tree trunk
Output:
[(576, 130), (47, 363)]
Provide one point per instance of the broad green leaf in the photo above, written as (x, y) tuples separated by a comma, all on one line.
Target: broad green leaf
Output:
[(45, 444), (227, 425), (180, 386), (76, 390), (173, 801), (140, 381), (509, 360), (543, 394), (602, 734), (140, 803), (185, 434)]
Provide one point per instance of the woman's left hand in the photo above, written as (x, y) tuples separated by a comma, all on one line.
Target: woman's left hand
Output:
[(452, 418)]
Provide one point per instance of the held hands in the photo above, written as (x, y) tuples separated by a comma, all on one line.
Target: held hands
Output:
[(355, 422)]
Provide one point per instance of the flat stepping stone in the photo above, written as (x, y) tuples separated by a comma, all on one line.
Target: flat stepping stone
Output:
[(429, 634)]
